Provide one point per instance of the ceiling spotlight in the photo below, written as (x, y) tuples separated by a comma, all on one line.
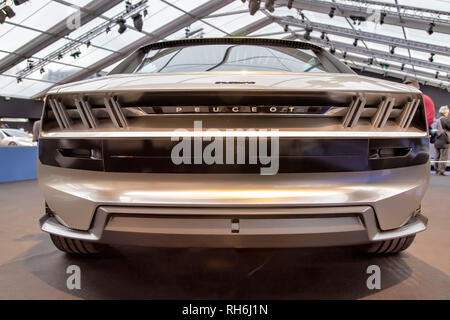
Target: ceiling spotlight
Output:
[(6, 12), (355, 43), (253, 6), (187, 31), (286, 28), (322, 35), (127, 6), (382, 16), (76, 54), (370, 61), (402, 67), (42, 71), (431, 58), (302, 15), (436, 75), (332, 50), (392, 51), (30, 64), (138, 22), (60, 56), (19, 81), (269, 5), (344, 55), (289, 4), (430, 28), (88, 44), (307, 34), (108, 30), (145, 13), (122, 27), (331, 13)]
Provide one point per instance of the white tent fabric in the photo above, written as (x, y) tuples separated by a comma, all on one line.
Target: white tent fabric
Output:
[(36, 17)]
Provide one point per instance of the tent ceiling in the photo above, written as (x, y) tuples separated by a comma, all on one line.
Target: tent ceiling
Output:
[(30, 35)]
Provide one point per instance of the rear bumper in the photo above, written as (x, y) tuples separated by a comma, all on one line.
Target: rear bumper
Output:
[(235, 227)]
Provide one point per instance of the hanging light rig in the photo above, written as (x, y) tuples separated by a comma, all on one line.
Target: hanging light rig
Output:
[(73, 47)]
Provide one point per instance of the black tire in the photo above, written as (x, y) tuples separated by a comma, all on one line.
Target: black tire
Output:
[(74, 246), (391, 246)]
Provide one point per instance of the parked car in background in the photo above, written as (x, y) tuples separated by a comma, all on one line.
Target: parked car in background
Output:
[(14, 137)]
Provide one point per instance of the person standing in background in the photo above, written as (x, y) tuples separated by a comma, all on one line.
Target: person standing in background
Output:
[(36, 130), (429, 104), (442, 142)]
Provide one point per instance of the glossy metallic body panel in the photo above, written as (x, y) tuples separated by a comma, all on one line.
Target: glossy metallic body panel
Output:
[(256, 228), (74, 195), (107, 175)]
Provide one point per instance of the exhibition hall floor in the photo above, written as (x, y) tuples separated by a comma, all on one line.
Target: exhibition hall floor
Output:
[(31, 267)]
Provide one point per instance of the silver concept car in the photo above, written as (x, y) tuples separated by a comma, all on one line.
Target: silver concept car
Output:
[(233, 142)]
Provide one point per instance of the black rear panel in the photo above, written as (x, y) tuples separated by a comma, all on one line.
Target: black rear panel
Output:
[(297, 155)]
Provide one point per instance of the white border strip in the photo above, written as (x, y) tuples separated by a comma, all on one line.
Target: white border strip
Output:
[(233, 133)]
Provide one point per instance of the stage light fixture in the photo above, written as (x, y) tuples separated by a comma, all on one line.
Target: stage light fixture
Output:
[(382, 16), (122, 27), (145, 13), (286, 28), (402, 67), (7, 11), (108, 30), (60, 56), (269, 5), (431, 58), (19, 81), (289, 4), (436, 75), (76, 54), (344, 55), (332, 50), (355, 43), (331, 13), (392, 51), (322, 36), (42, 71), (307, 34), (430, 29), (370, 61), (138, 21), (88, 44), (127, 6), (253, 6)]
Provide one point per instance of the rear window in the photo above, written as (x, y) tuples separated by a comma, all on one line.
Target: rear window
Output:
[(230, 57)]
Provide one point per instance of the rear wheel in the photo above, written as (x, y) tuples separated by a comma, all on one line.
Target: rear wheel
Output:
[(391, 246), (75, 246)]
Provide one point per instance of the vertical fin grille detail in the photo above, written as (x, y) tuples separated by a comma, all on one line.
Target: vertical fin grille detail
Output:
[(384, 110), (61, 116), (409, 110), (354, 112), (115, 113), (85, 111)]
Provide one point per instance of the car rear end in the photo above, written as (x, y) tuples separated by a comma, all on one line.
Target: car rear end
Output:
[(352, 160)]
